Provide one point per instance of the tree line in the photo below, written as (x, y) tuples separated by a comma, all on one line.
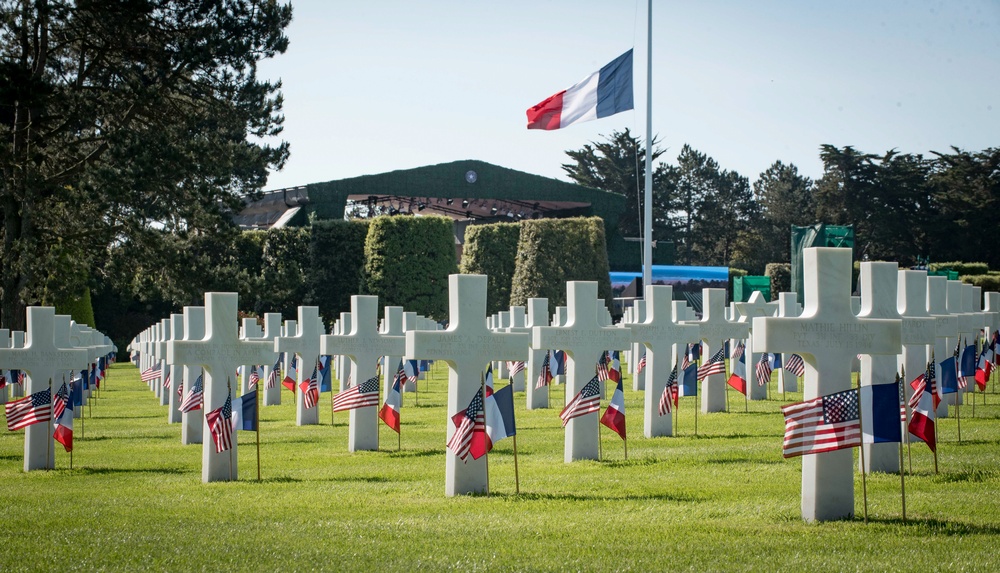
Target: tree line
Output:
[(904, 207)]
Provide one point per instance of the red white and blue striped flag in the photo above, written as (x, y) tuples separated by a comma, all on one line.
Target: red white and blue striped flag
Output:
[(822, 424), (603, 93), (220, 424), (360, 396), (795, 366), (668, 400), (310, 390), (29, 410), (194, 396), (715, 365), (470, 425), (587, 400)]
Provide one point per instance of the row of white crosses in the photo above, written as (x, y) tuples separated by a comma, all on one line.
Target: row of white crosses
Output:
[(53, 349)]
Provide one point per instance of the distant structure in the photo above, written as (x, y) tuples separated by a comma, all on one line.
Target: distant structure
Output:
[(470, 192)]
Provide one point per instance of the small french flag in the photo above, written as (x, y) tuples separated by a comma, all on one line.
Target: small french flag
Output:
[(602, 93)]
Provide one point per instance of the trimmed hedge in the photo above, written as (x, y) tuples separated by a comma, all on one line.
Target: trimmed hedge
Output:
[(781, 278), (554, 251), (961, 268), (284, 270), (989, 283), (337, 259), (80, 308), (407, 263), (491, 250)]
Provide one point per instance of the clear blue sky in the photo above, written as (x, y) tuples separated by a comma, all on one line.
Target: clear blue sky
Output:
[(380, 85)]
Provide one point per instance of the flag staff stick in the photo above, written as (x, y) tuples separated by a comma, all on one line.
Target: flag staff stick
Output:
[(256, 420), (725, 373), (482, 395), (900, 380), (861, 451), (229, 391), (517, 477), (906, 431)]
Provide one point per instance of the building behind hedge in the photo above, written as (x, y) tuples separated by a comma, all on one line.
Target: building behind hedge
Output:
[(469, 192)]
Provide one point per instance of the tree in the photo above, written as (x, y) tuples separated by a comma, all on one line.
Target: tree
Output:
[(618, 166), (118, 119), (785, 198), (965, 198)]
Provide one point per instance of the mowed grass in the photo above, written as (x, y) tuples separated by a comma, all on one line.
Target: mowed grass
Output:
[(723, 500)]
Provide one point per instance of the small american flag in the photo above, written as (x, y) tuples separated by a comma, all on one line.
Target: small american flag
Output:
[(642, 363), (180, 390), (272, 377), (254, 377), (515, 367), (60, 402), (221, 425), (715, 365), (29, 410), (3, 378), (194, 397), (739, 350), (795, 365), (687, 361), (822, 424), (902, 400), (150, 374), (602, 368), (668, 400), (310, 390), (412, 368), (166, 382), (545, 374), (468, 423), (764, 369), (587, 400), (361, 396)]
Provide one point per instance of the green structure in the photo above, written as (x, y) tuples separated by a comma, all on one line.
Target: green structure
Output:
[(743, 287), (818, 235), (469, 192)]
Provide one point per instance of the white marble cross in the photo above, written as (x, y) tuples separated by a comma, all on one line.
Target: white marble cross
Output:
[(660, 334), (583, 340), (344, 362), (755, 307), (638, 349), (272, 330), (947, 326), (219, 353), (827, 335), (44, 363), (788, 306), (366, 347), (193, 422), (392, 325), (918, 331), (467, 346), (538, 313), (161, 357), (249, 331), (173, 400), (714, 331), (878, 300), (518, 324), (305, 343), (5, 342)]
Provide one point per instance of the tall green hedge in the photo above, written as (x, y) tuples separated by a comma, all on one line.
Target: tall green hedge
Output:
[(337, 257), (554, 251), (284, 271), (781, 278), (407, 263), (491, 250), (989, 283), (961, 268), (80, 308)]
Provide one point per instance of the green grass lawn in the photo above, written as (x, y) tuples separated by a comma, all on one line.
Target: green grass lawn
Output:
[(722, 500)]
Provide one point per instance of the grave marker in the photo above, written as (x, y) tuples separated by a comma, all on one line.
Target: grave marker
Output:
[(714, 330), (755, 307), (192, 422), (827, 335), (538, 312), (305, 343)]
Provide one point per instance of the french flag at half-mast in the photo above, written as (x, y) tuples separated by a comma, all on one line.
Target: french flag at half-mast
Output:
[(602, 93)]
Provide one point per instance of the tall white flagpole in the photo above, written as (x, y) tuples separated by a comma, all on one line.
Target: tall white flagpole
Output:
[(647, 231)]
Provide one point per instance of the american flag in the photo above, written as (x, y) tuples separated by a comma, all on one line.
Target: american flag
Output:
[(764, 369), (194, 397), (687, 360), (668, 400), (920, 385), (310, 390), (221, 425), (515, 367), (254, 377), (642, 362), (587, 400), (715, 365), (902, 399), (3, 378), (180, 390), (19, 379), (963, 377), (739, 350), (166, 382), (361, 396), (150, 374), (272, 377), (60, 402), (412, 368), (822, 424), (602, 367), (468, 423), (29, 410), (545, 374), (795, 365), (615, 370)]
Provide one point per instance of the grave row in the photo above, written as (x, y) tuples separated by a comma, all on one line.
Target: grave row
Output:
[(899, 319)]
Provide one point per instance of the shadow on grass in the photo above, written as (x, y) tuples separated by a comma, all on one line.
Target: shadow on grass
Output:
[(279, 479), (976, 476), (109, 471), (364, 479), (742, 460), (678, 497), (634, 462), (12, 457), (416, 453), (939, 526)]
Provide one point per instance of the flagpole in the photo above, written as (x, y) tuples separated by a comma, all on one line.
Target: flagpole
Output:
[(48, 442), (864, 468), (725, 373), (647, 231), (517, 477), (229, 390), (256, 416), (482, 394)]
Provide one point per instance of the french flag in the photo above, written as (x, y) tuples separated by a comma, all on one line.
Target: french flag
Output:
[(602, 93)]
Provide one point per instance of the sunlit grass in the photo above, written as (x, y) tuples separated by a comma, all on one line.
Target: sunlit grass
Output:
[(722, 500)]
